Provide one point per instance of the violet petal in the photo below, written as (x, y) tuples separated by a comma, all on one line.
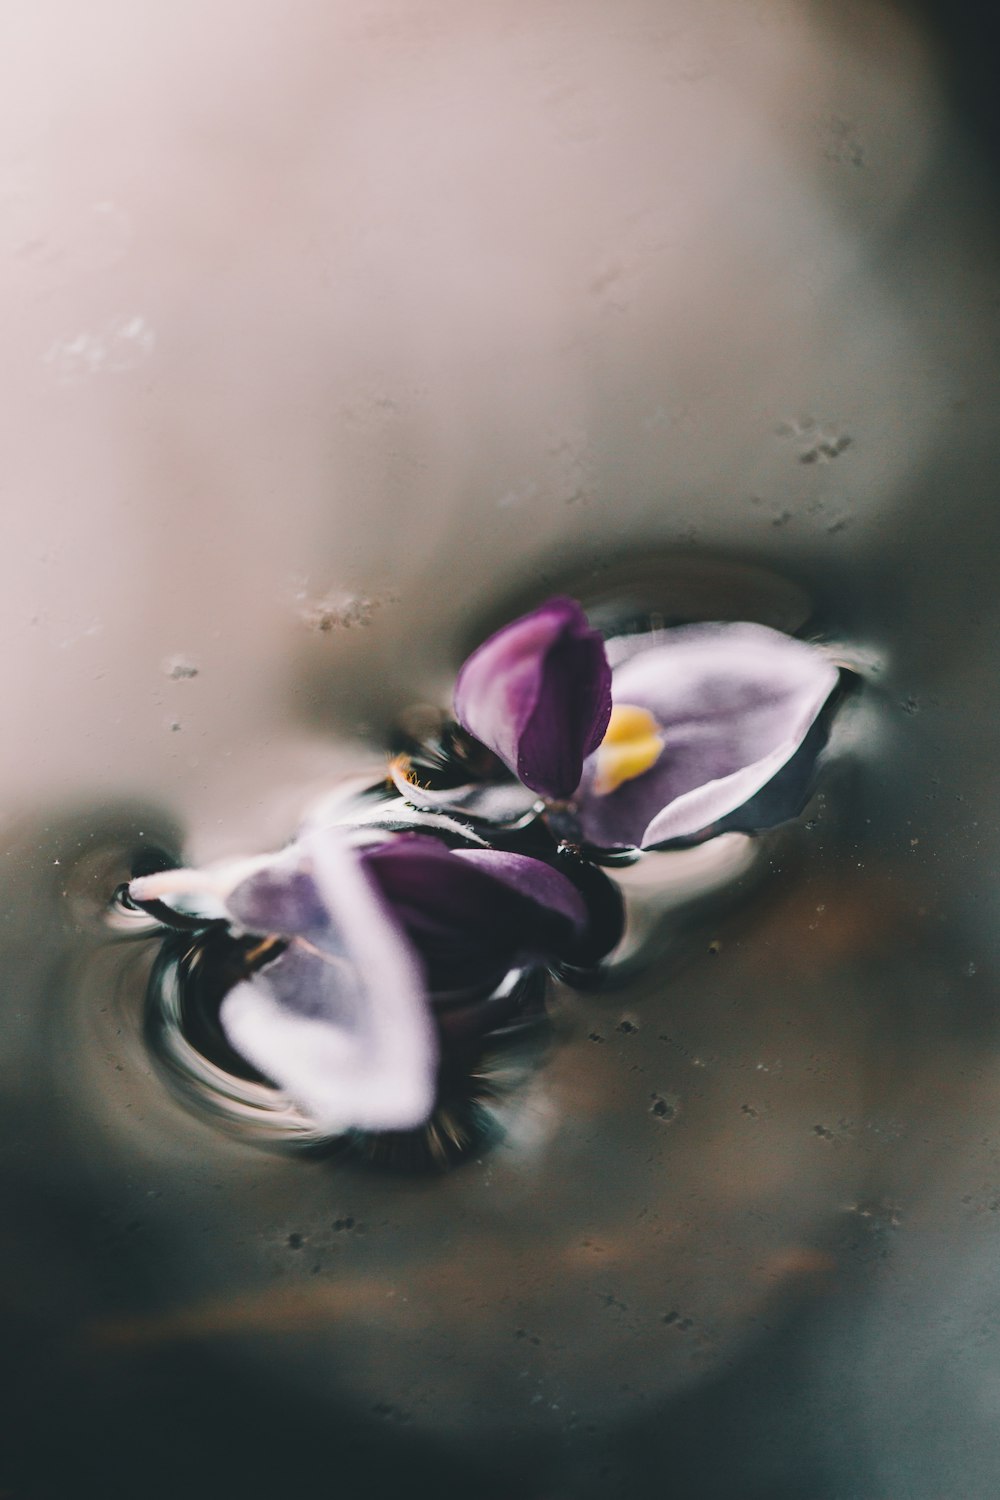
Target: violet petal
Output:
[(734, 702), (538, 694), (533, 880), (473, 914), (282, 898), (340, 1020)]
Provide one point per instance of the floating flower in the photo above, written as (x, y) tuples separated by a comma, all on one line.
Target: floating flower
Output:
[(697, 729), (371, 955)]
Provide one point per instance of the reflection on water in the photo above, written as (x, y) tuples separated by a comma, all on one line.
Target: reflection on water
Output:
[(735, 1227)]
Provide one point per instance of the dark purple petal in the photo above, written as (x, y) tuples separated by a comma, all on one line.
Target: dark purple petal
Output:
[(340, 1020), (474, 914), (734, 702), (538, 694), (532, 879)]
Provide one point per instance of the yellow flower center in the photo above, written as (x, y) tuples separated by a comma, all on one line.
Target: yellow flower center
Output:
[(632, 744)]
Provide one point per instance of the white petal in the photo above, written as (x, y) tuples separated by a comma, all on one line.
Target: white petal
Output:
[(197, 893), (745, 684), (705, 805), (361, 1050), (733, 701)]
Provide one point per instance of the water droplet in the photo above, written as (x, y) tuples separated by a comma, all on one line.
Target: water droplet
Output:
[(119, 346), (180, 668)]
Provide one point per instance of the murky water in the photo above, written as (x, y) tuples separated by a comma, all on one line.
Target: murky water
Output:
[(722, 345)]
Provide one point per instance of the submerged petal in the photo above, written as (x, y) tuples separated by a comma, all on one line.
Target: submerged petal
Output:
[(473, 914), (532, 880), (340, 1020), (538, 694), (734, 703)]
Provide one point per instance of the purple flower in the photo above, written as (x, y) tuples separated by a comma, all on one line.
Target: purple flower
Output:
[(374, 946), (713, 726), (538, 693)]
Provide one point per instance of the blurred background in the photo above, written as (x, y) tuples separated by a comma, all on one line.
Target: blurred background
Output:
[(331, 333)]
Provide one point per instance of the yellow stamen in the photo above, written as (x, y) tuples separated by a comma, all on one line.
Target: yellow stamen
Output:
[(632, 744), (400, 766)]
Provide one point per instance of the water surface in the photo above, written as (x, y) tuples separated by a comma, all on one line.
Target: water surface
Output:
[(689, 316)]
